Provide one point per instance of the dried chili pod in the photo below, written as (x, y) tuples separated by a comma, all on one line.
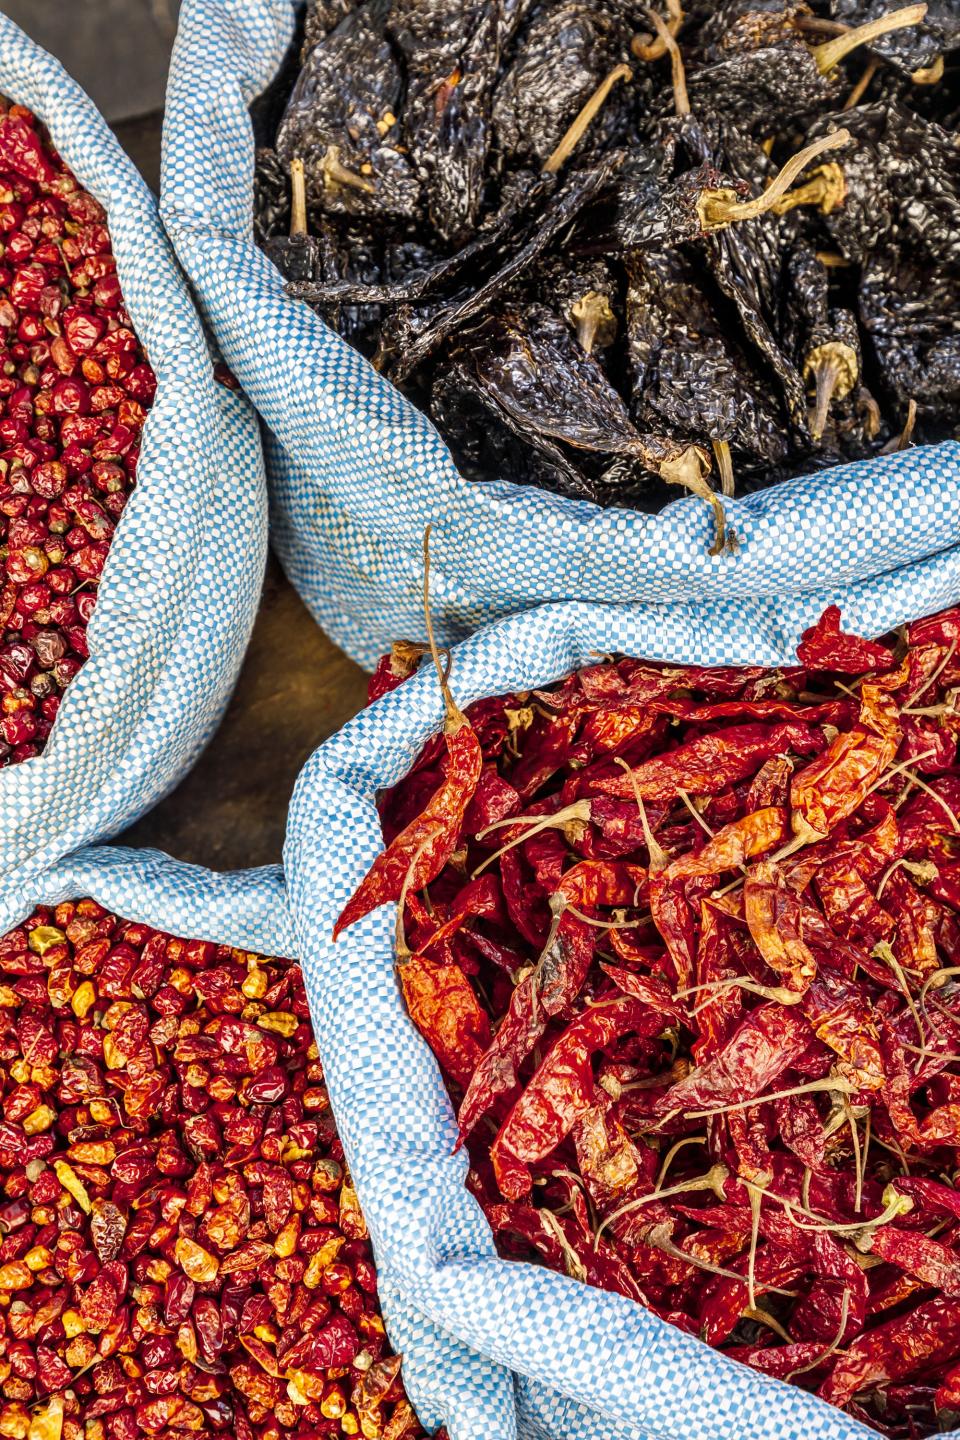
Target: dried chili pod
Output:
[(450, 71), (563, 55), (586, 292), (509, 225), (900, 221), (408, 342), (687, 371), (533, 371), (341, 120), (769, 88), (824, 339), (918, 48)]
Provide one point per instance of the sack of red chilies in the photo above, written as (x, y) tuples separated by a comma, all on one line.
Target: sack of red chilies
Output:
[(181, 1247), (649, 1086), (132, 504)]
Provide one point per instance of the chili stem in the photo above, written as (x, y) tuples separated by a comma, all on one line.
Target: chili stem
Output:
[(298, 199), (575, 1266), (336, 174), (834, 1343), (659, 860), (929, 74), (721, 452), (934, 677), (673, 1152), (678, 76), (655, 49), (882, 951), (453, 711), (581, 124), (812, 1087), (713, 1180), (687, 470), (696, 813), (828, 55), (860, 89), (763, 1317), (756, 1200), (718, 208), (579, 810)]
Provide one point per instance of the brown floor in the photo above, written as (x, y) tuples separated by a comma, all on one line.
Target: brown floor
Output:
[(295, 689)]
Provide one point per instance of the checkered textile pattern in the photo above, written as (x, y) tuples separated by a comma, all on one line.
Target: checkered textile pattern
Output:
[(356, 472), (182, 581), (586, 1364)]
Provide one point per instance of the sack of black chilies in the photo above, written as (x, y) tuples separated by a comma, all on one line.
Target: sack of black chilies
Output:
[(584, 259)]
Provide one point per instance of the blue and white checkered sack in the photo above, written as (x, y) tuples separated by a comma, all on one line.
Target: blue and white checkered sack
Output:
[(587, 1364), (356, 472), (182, 581)]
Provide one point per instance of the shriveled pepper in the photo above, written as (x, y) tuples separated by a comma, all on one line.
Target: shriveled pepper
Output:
[(562, 1090), (924, 1337)]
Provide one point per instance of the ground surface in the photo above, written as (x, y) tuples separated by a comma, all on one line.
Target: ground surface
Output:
[(295, 689)]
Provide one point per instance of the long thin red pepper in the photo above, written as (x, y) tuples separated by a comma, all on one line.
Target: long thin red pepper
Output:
[(562, 1090), (711, 763), (416, 856), (788, 925), (925, 1337)]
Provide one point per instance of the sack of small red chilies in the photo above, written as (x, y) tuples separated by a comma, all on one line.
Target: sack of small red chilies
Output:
[(685, 942)]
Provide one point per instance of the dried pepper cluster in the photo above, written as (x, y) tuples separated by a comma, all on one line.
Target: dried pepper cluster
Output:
[(686, 944), (181, 1250), (555, 223), (75, 388)]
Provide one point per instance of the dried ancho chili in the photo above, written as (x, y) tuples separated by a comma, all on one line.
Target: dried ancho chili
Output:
[(557, 227), (181, 1248), (75, 388), (690, 963)]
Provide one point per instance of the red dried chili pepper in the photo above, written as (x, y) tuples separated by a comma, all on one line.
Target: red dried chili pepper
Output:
[(562, 1090), (184, 1249), (442, 1005), (416, 856), (711, 763), (833, 786), (718, 976), (925, 1337), (825, 647)]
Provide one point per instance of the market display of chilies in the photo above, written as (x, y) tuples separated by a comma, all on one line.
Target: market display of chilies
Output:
[(684, 942)]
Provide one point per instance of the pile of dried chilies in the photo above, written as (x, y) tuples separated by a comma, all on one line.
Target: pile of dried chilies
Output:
[(685, 943), (75, 388), (181, 1248), (556, 226)]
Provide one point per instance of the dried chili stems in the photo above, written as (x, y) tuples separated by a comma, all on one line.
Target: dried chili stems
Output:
[(686, 944), (578, 236)]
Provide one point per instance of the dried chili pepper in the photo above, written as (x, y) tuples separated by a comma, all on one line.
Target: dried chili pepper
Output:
[(181, 1247), (75, 390), (702, 993), (418, 854), (589, 253)]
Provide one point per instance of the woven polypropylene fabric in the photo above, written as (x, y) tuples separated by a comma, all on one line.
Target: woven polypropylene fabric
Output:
[(588, 1364), (356, 472), (182, 581)]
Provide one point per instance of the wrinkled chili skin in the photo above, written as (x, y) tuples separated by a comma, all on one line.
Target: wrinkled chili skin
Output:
[(698, 938), (182, 1249), (514, 270), (75, 391)]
